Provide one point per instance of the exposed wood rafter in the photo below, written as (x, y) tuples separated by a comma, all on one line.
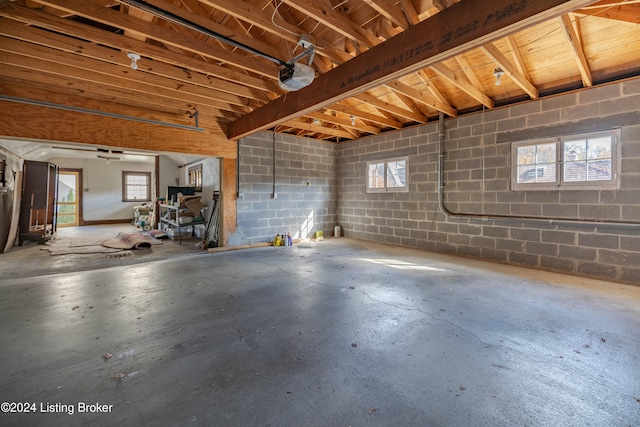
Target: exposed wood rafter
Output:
[(578, 52), (379, 64), (408, 52)]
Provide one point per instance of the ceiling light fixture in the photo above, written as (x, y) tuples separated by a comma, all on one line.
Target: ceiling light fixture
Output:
[(498, 73), (134, 60), (353, 120)]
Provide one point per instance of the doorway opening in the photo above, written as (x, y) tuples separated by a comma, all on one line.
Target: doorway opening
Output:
[(69, 197)]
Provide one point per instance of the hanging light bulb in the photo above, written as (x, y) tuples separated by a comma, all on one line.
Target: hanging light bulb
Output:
[(353, 120), (134, 60), (498, 73)]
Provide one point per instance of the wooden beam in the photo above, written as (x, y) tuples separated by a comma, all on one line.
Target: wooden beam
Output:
[(94, 10), (510, 70), (14, 88), (84, 49), (256, 16), (463, 26), (381, 105), (345, 123), (323, 11), (313, 128), (467, 69), (126, 88), (418, 96), (389, 10), (279, 27), (119, 95), (137, 13), (517, 57), (43, 123), (194, 12), (413, 105), (613, 9), (48, 60), (463, 84), (356, 112), (410, 12), (85, 32), (228, 199), (432, 87), (576, 47)]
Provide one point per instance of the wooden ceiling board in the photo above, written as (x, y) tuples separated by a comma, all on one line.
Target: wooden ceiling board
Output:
[(226, 82), (614, 51)]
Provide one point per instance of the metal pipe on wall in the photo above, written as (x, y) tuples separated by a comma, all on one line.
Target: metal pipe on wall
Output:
[(274, 194), (627, 225)]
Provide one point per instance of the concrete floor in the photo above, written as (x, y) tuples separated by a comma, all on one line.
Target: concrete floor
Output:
[(33, 259), (339, 333)]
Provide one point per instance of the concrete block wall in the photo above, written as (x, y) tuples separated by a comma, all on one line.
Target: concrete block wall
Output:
[(305, 185), (477, 181)]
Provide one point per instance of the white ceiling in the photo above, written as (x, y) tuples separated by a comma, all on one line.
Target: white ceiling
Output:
[(45, 151)]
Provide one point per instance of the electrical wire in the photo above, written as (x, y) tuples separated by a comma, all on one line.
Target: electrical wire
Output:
[(273, 19), (170, 17)]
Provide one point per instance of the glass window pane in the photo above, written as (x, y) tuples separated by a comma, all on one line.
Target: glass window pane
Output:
[(588, 160), (396, 174), (546, 153), (575, 171), (526, 155), (575, 150), (599, 148), (536, 163), (137, 186), (599, 170), (376, 175)]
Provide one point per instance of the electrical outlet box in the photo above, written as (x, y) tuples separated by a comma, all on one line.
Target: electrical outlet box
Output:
[(305, 41), (274, 195), (241, 195)]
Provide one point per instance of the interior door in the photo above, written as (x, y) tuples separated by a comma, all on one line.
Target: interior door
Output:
[(68, 198)]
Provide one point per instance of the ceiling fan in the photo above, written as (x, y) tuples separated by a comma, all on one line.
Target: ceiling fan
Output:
[(108, 158)]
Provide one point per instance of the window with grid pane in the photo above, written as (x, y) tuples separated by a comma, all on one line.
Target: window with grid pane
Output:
[(136, 186), (586, 161)]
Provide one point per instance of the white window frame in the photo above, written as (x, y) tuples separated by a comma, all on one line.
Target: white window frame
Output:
[(559, 182), (385, 188)]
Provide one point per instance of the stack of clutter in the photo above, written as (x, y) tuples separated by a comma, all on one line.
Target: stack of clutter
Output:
[(283, 240)]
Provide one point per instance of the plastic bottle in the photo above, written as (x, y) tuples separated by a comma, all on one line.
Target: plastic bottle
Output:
[(289, 239)]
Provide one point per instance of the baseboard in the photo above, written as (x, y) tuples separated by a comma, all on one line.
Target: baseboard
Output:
[(107, 221)]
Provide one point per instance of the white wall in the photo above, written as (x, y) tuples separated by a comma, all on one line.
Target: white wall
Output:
[(169, 175), (102, 185), (210, 179)]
